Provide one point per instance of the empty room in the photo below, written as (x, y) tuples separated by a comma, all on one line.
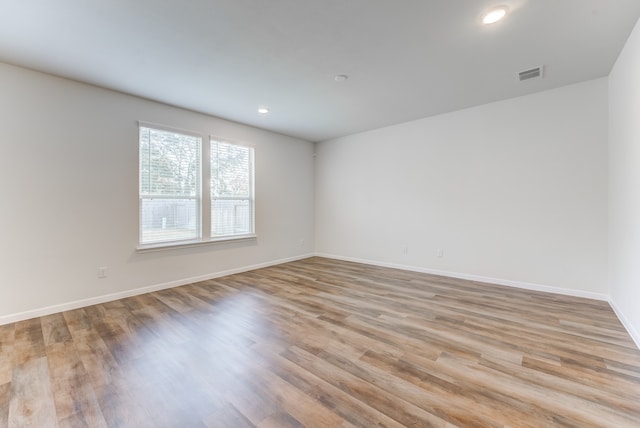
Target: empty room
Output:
[(336, 213)]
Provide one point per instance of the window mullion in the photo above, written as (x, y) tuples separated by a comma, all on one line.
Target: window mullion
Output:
[(205, 208), (252, 189)]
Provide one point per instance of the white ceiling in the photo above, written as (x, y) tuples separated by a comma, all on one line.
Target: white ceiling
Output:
[(406, 59)]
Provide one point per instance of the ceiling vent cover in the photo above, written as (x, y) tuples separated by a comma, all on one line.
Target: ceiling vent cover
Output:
[(532, 73)]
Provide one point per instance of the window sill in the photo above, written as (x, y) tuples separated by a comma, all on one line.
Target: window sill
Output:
[(167, 246)]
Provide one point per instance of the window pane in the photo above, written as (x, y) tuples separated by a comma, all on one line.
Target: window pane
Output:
[(232, 208), (230, 170), (230, 217), (169, 186), (169, 163), (165, 220)]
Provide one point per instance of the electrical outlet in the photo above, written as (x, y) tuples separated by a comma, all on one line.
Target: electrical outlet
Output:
[(405, 249), (102, 272), (439, 252)]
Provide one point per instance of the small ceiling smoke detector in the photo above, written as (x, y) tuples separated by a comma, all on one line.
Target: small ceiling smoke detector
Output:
[(263, 110), (494, 15), (340, 78), (532, 73)]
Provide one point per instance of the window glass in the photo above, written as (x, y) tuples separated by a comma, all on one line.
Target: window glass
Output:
[(232, 196), (169, 186)]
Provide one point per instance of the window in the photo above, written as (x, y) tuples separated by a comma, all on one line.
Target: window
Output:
[(193, 190), (169, 186), (231, 189)]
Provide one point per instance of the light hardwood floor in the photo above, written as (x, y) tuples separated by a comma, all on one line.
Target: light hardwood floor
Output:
[(324, 343)]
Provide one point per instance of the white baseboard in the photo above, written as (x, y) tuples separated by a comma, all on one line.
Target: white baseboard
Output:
[(7, 319), (635, 335), (477, 278), (633, 332)]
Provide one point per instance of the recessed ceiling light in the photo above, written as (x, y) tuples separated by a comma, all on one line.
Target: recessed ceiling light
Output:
[(340, 77), (494, 15), (263, 110)]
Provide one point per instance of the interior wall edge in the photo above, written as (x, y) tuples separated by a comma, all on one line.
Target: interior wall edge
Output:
[(635, 335)]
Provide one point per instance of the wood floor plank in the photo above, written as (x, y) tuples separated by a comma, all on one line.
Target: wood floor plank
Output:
[(76, 320), (280, 420), (227, 416), (5, 397), (580, 412), (345, 405), (73, 393), (324, 343), (365, 390), (95, 356), (28, 341), (617, 399), (32, 402), (7, 340), (54, 329)]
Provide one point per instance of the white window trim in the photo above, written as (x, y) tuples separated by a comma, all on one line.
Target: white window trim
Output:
[(175, 245), (205, 196)]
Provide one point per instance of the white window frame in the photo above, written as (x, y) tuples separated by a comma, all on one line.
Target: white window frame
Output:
[(204, 197)]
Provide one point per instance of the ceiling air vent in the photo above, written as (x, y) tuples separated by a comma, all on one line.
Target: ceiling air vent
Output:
[(532, 73)]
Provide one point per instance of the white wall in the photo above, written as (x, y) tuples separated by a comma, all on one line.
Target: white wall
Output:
[(515, 191), (624, 184), (68, 183)]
